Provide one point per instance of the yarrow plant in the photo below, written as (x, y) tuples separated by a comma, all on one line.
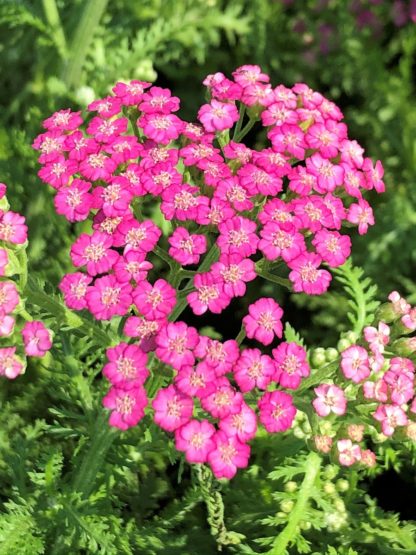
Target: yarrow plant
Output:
[(20, 335), (229, 214)]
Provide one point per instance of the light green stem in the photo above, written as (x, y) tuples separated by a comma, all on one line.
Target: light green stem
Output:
[(52, 17), (312, 465), (273, 278), (81, 42)]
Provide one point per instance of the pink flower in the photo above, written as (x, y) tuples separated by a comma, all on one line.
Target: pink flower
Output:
[(238, 236), (114, 199), (127, 403), (217, 116), (355, 363), (186, 248), (224, 400), (127, 363), (306, 275), (333, 247), (229, 455), (253, 369), (74, 288), (13, 228), (361, 214), (243, 424), (250, 74), (234, 272), (390, 417), (141, 237), (356, 432), (58, 172), (107, 130), (291, 364), (172, 408), (368, 458), (326, 141), (130, 93), (217, 355), (277, 411), (94, 251), (9, 297), (329, 176), (180, 202), (64, 120), (10, 365), (263, 322), (409, 319), (109, 297), (97, 166), (155, 301), (74, 202), (4, 260), (288, 139), (232, 191), (162, 128), (209, 294), (175, 344), (196, 381), (348, 452), (159, 100), (373, 175), (257, 180), (36, 338), (195, 439), (6, 325), (329, 398), (377, 338), (132, 266)]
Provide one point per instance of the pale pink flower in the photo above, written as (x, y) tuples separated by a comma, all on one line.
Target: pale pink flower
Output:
[(10, 364), (329, 398), (390, 417), (355, 363), (348, 452), (9, 297)]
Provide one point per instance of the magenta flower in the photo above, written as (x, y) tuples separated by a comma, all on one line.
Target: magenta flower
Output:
[(209, 294), (362, 215), (172, 408), (130, 94), (6, 325), (74, 202), (109, 297), (253, 369), (132, 266), (114, 199), (238, 236), (175, 344), (234, 272), (155, 301), (196, 381), (277, 411), (158, 100), (224, 400), (306, 275), (243, 424), (162, 128), (94, 252), (127, 403), (257, 180), (64, 120), (355, 363), (217, 355), (186, 248), (217, 116), (329, 398), (291, 364), (127, 363), (333, 247), (4, 260), (74, 288), (229, 455), (136, 236), (37, 339), (263, 322), (195, 439)]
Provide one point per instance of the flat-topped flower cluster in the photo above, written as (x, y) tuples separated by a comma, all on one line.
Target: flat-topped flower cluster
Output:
[(239, 212), (31, 337)]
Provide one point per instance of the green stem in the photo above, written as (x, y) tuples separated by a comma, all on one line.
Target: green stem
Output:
[(22, 258), (241, 336), (239, 122), (273, 278), (81, 41), (245, 130), (312, 465), (103, 436), (165, 257), (52, 17)]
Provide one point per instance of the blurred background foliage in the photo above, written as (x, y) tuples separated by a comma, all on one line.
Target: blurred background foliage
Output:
[(61, 53)]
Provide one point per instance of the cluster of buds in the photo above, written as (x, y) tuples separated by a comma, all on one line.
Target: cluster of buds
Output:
[(17, 328), (378, 373), (238, 212)]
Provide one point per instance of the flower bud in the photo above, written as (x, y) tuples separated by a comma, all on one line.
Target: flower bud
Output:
[(318, 357), (287, 505), (386, 313), (330, 471), (342, 485), (331, 354), (343, 344), (329, 488), (291, 486), (410, 431), (340, 505), (405, 346)]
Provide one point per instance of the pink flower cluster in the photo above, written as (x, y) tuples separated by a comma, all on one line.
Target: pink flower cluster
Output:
[(283, 204), (36, 338), (383, 380)]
